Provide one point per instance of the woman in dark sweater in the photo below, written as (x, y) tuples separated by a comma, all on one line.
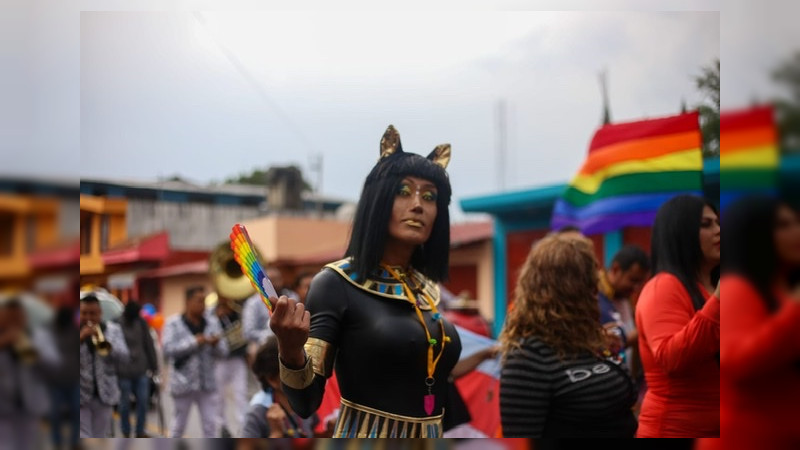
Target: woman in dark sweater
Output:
[(557, 379)]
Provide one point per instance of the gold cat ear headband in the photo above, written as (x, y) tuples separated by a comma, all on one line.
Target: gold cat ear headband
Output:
[(390, 144)]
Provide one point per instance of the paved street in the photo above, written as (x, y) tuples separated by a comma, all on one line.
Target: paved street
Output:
[(149, 444), (193, 426), (193, 429)]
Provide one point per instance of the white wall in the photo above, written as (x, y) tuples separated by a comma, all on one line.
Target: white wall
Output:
[(173, 290), (191, 226)]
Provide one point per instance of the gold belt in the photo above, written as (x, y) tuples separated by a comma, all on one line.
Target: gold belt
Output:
[(358, 421)]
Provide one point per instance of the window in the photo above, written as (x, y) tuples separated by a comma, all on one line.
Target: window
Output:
[(30, 233), (86, 232), (104, 232), (6, 234)]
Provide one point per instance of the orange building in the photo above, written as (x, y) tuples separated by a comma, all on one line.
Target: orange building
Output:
[(27, 224), (38, 248), (102, 226)]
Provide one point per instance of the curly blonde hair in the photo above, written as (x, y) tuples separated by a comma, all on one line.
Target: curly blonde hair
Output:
[(556, 298)]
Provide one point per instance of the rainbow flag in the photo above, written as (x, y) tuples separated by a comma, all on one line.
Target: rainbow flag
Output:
[(749, 155), (631, 169)]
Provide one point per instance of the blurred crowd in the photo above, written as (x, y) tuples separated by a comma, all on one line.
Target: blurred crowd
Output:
[(632, 349)]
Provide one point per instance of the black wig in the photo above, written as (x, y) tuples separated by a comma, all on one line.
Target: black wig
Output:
[(675, 242), (371, 221)]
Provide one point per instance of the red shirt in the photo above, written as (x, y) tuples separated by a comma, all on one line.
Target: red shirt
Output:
[(678, 348), (760, 360)]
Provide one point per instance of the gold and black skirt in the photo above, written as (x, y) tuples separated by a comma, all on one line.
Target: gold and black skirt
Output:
[(358, 421)]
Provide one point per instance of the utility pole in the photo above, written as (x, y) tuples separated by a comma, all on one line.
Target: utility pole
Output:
[(316, 166), (604, 92)]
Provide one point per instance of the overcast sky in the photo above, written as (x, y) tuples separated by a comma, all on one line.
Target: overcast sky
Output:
[(206, 95)]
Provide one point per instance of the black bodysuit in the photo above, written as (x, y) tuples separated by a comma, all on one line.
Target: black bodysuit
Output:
[(379, 344)]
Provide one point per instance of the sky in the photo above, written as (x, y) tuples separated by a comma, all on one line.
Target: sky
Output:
[(139, 90)]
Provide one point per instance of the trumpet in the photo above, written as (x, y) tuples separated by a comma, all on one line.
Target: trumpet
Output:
[(100, 343), (24, 349)]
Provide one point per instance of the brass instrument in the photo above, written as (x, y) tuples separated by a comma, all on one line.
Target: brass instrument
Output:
[(102, 346), (24, 349), (234, 335), (227, 277)]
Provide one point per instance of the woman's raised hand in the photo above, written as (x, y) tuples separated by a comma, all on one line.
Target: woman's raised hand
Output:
[(291, 324)]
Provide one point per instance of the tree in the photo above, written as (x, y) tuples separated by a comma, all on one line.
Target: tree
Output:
[(787, 75), (257, 177), (708, 84), (261, 177)]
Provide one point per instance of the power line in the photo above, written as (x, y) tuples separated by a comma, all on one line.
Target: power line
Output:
[(254, 83)]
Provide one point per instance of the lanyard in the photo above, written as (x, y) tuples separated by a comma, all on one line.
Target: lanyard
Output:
[(432, 362)]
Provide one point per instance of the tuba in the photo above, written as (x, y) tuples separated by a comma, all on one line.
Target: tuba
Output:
[(227, 278), (100, 343)]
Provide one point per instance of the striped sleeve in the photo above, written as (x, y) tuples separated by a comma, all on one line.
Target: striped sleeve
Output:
[(526, 390)]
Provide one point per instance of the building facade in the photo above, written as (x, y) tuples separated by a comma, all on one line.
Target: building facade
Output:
[(39, 236)]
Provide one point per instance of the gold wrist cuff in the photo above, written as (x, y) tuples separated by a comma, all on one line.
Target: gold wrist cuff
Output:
[(299, 378), (323, 355)]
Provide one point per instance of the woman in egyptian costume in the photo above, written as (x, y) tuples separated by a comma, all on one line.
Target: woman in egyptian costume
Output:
[(374, 317)]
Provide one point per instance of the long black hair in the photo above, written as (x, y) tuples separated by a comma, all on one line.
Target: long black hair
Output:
[(750, 244), (371, 221), (675, 243)]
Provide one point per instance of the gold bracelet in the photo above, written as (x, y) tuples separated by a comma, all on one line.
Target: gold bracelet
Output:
[(323, 354), (297, 378)]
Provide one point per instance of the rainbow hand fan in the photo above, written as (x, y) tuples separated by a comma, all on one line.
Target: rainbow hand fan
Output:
[(244, 254)]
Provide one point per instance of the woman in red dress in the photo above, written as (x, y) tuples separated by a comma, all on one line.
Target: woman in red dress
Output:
[(678, 322), (760, 346)]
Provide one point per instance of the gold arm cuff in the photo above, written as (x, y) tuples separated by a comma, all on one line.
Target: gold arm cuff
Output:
[(297, 379), (323, 354)]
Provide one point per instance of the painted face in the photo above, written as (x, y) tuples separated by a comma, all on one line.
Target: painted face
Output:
[(626, 282), (90, 312), (787, 236), (710, 236), (414, 211)]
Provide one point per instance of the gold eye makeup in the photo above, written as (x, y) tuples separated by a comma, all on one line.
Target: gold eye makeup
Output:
[(426, 193)]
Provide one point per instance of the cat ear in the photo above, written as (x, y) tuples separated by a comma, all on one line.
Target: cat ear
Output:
[(441, 155), (390, 142)]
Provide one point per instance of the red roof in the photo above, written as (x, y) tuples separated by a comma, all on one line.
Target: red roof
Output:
[(64, 255), (467, 233), (184, 256), (154, 247)]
